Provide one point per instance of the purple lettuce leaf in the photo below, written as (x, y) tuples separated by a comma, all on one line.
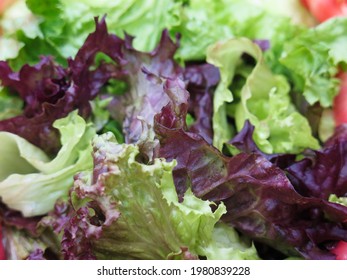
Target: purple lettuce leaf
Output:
[(36, 255), (51, 92), (77, 239), (263, 44), (15, 219), (25, 238), (42, 87), (72, 226), (340, 135), (261, 201), (145, 74), (321, 173), (201, 79)]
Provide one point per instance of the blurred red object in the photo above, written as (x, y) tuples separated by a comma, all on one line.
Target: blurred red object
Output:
[(324, 9), (340, 101), (4, 4), (340, 250)]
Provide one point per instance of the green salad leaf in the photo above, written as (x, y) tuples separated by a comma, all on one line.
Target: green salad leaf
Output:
[(263, 98), (10, 105), (314, 58), (143, 218), (227, 244), (30, 181)]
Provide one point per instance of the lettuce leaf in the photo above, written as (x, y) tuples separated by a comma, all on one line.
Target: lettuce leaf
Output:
[(126, 209), (30, 181), (314, 58), (20, 245), (201, 80), (340, 200), (228, 244), (10, 105), (321, 172), (24, 239), (206, 22), (263, 99)]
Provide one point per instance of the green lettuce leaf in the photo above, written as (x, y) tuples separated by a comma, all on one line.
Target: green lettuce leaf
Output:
[(30, 181), (200, 26), (100, 115), (204, 22), (66, 24), (10, 105), (227, 244), (314, 58), (263, 98), (126, 209), (339, 200)]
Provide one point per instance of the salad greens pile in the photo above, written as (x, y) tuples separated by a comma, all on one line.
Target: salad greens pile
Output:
[(170, 130)]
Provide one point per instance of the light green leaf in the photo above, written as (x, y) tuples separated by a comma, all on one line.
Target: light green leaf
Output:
[(264, 100), (314, 57), (339, 200), (30, 181), (204, 22), (227, 244), (227, 61)]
